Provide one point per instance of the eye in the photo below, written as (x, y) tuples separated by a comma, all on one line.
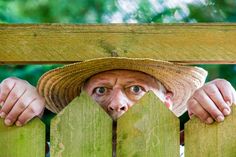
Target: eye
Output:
[(100, 90), (136, 89)]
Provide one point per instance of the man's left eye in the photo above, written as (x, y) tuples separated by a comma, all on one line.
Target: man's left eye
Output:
[(136, 89)]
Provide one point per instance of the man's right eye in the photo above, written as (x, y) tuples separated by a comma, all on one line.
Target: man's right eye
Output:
[(100, 90)]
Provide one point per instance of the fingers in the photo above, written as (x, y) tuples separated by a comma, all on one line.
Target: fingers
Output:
[(225, 89), (196, 109), (21, 101), (6, 87), (213, 100), (33, 110), (209, 105), (14, 95), (211, 91)]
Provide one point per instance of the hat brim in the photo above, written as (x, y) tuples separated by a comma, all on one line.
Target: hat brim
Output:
[(61, 85)]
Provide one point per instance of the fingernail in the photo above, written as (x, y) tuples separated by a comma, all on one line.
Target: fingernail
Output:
[(2, 115), (226, 112), (220, 119), (209, 120), (8, 122), (18, 123)]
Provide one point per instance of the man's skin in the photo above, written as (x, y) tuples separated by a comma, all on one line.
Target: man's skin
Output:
[(20, 101), (116, 91)]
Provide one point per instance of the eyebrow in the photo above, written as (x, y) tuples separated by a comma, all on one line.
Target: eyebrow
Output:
[(103, 82), (136, 80)]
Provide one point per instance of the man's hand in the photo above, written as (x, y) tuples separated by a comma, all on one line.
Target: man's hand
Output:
[(212, 101), (20, 101)]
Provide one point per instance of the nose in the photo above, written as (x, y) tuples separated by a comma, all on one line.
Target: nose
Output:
[(118, 105), (117, 108)]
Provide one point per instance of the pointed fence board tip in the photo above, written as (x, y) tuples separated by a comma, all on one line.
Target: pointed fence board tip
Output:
[(148, 129), (83, 128), (25, 141), (214, 140)]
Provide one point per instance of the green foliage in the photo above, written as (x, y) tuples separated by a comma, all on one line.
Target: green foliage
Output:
[(31, 73), (61, 11), (107, 11)]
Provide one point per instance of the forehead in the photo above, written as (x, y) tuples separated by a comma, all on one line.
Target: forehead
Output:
[(121, 74)]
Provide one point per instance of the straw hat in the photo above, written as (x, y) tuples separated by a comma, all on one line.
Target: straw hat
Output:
[(60, 86)]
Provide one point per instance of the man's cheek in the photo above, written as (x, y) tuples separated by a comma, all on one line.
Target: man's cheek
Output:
[(103, 102), (135, 98)]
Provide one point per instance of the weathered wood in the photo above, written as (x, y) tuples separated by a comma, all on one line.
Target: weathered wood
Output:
[(82, 129), (190, 43), (215, 140), (26, 141), (148, 129)]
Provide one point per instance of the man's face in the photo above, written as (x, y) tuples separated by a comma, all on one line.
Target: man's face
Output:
[(117, 90)]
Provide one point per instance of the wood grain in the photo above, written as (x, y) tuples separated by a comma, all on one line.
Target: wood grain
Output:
[(215, 140), (26, 141), (148, 129), (60, 43), (82, 129)]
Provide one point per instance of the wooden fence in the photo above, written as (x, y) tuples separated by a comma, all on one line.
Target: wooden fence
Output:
[(147, 129)]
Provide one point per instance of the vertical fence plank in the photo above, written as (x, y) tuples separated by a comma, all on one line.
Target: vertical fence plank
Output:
[(215, 140), (148, 129), (82, 129), (26, 141)]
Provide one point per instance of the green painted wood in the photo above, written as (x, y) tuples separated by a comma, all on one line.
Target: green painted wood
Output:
[(82, 129), (148, 129), (191, 43), (26, 141), (215, 140)]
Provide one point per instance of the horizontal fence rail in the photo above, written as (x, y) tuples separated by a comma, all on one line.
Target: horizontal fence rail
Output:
[(61, 43), (147, 129)]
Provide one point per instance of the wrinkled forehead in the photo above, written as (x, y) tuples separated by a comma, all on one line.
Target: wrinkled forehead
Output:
[(121, 74)]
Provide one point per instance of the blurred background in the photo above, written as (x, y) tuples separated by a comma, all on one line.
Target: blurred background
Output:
[(114, 11)]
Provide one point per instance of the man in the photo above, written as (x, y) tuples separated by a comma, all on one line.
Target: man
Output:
[(116, 84)]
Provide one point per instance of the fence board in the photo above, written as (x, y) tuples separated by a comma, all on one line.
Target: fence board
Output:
[(82, 129), (215, 140), (26, 141), (194, 43), (148, 129)]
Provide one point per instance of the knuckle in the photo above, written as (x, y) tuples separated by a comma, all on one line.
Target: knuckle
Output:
[(227, 97), (219, 80), (3, 95), (211, 90), (223, 82), (192, 105), (198, 94), (21, 106), (9, 80), (13, 96), (33, 111), (4, 109)]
